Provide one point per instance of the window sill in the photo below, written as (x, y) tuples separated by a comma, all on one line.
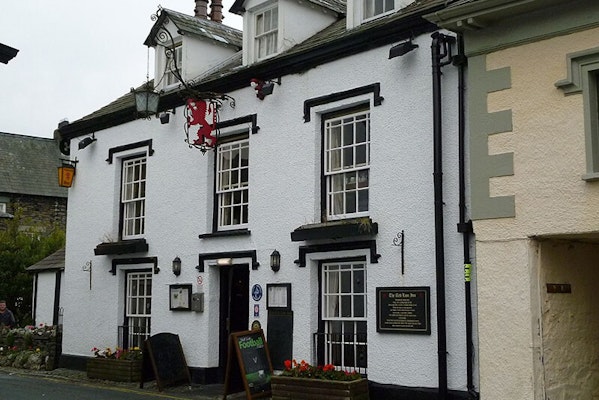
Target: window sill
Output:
[(336, 230), (234, 232), (121, 247), (591, 177)]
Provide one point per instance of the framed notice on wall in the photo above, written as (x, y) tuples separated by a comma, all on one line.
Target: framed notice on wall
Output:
[(278, 296), (403, 310), (180, 297)]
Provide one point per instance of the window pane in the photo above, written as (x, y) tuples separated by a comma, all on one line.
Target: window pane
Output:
[(363, 200), (350, 202), (346, 306)]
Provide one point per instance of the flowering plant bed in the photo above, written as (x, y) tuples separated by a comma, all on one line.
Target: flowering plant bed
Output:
[(289, 388), (121, 365), (302, 381), (113, 369)]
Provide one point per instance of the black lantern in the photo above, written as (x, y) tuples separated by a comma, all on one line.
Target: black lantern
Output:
[(146, 100), (275, 261), (177, 266)]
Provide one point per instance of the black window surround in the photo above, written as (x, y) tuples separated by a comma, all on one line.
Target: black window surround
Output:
[(112, 151), (122, 247), (374, 88), (253, 120), (335, 247), (132, 261), (203, 257), (233, 232), (339, 229), (250, 118)]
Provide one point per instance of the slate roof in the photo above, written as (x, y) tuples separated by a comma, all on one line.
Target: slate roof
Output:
[(54, 261), (28, 165), (188, 24), (338, 6), (318, 48)]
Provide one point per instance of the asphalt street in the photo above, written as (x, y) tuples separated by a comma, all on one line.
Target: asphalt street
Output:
[(17, 384)]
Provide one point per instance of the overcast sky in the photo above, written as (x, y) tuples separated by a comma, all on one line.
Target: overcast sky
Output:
[(75, 56)]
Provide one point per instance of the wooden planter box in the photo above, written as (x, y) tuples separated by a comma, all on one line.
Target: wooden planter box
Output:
[(288, 388), (114, 370)]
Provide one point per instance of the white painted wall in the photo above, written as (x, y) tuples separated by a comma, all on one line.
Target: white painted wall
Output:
[(284, 194), (44, 297)]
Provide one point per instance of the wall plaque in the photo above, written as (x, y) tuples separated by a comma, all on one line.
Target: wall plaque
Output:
[(403, 310)]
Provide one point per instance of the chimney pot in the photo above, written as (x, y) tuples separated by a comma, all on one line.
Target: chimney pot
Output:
[(201, 10), (216, 13)]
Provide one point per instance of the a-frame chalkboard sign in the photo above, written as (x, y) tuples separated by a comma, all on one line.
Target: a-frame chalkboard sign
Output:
[(250, 358), (164, 360)]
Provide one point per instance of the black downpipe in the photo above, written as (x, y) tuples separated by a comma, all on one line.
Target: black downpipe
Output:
[(465, 227), (440, 49)]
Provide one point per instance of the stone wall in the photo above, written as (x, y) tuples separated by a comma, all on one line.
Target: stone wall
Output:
[(31, 347), (39, 213)]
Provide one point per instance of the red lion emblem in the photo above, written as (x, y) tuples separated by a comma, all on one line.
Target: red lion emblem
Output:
[(196, 115)]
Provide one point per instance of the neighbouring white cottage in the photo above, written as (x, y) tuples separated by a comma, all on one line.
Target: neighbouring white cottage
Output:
[(304, 177)]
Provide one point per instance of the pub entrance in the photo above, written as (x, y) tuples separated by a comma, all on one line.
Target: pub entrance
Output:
[(234, 308)]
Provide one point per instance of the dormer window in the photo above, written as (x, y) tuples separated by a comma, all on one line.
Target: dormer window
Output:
[(174, 62), (373, 8), (267, 29)]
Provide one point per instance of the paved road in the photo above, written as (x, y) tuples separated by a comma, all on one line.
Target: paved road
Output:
[(23, 387)]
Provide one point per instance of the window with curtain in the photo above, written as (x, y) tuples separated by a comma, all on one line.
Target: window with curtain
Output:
[(267, 28), (133, 197), (232, 184), (174, 63), (373, 8), (347, 165), (344, 315)]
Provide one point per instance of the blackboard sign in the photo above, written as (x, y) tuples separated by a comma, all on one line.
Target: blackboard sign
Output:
[(163, 352), (248, 352), (280, 337), (403, 310)]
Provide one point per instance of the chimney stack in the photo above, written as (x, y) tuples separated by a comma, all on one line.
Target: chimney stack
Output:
[(201, 10), (216, 13)]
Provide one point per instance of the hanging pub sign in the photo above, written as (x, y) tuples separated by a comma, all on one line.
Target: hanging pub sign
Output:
[(199, 112), (403, 310)]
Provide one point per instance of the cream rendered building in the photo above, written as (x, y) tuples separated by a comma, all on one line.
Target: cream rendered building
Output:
[(533, 69)]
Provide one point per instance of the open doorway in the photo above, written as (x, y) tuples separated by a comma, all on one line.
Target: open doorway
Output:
[(234, 308)]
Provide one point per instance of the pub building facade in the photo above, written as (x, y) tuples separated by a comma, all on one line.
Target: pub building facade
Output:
[(302, 178)]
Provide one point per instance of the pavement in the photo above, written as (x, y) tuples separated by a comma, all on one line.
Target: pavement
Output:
[(182, 392)]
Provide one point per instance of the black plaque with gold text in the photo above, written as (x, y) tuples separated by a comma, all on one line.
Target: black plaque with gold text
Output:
[(403, 309)]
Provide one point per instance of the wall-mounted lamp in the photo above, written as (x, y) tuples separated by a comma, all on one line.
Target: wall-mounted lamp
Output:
[(177, 266), (402, 48), (275, 261), (263, 88), (66, 173), (165, 115), (87, 141), (224, 261)]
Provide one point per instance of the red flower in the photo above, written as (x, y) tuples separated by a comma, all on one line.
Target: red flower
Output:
[(287, 364)]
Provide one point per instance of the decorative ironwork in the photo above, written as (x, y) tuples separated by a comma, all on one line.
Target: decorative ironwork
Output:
[(200, 106), (399, 241)]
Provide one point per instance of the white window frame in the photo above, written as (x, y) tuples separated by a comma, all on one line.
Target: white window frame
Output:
[(266, 40), (2, 207), (133, 197), (347, 166), (232, 184), (170, 76), (138, 307), (370, 10), (344, 313)]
